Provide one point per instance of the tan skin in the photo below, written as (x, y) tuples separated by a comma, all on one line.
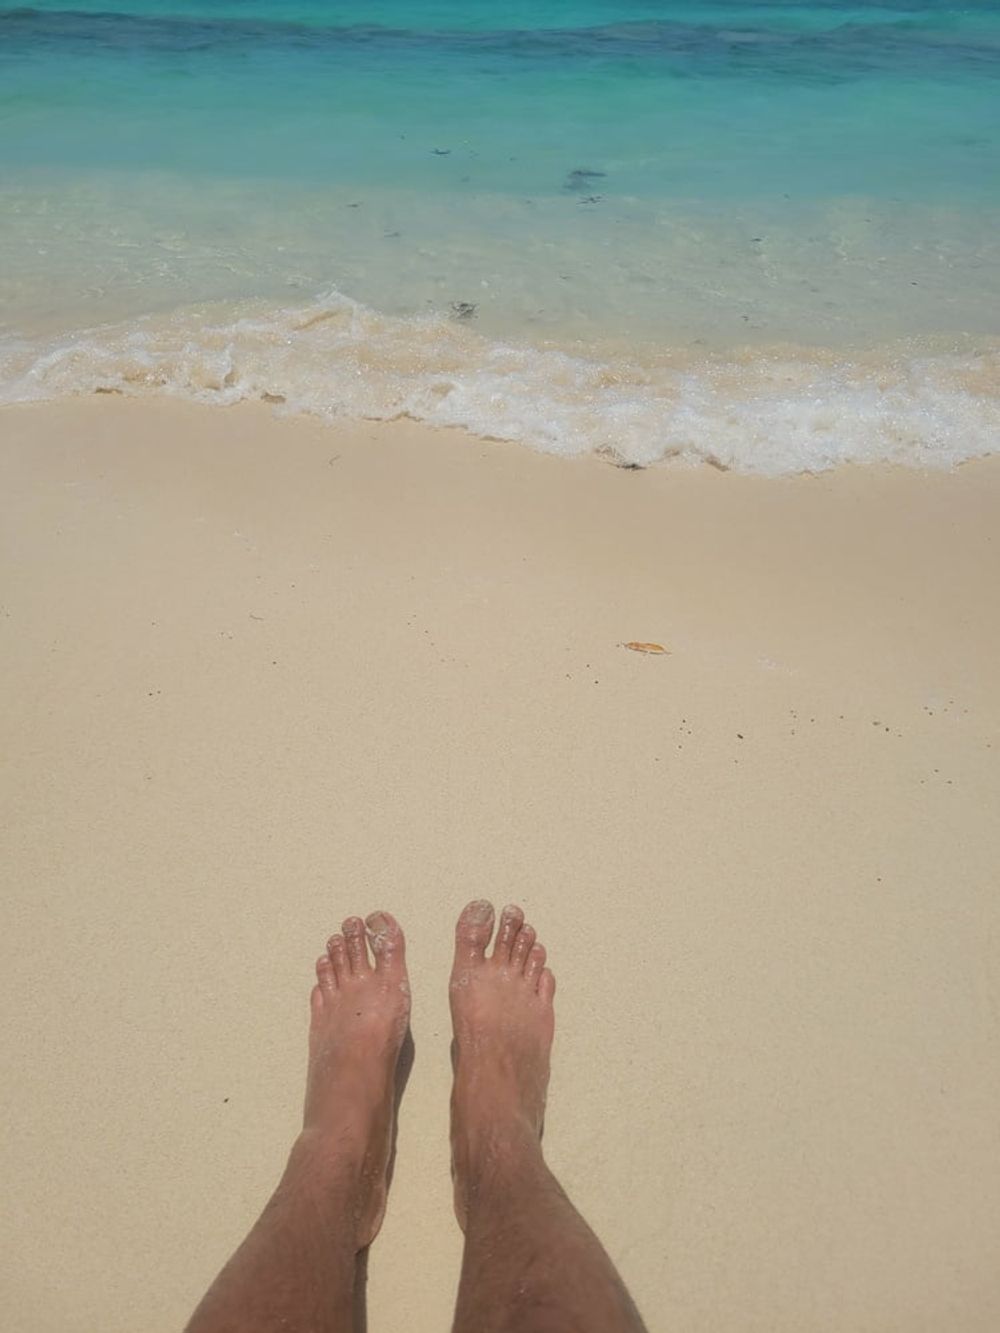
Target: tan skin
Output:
[(531, 1264)]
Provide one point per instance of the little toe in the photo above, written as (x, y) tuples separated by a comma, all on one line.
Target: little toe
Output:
[(547, 985), (535, 962), (472, 934), (325, 974), (511, 921), (386, 939), (357, 950), (337, 950), (522, 947)]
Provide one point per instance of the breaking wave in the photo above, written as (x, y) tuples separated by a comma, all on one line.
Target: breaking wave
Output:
[(770, 411)]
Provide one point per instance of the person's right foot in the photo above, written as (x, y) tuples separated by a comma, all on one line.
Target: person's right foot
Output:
[(501, 1008)]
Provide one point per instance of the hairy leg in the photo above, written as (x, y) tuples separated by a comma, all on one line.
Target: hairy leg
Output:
[(531, 1263), (298, 1269)]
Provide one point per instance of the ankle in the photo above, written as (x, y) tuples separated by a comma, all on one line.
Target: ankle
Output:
[(492, 1152), (326, 1162)]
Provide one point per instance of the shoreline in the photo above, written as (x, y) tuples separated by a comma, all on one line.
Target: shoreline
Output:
[(757, 410), (262, 672)]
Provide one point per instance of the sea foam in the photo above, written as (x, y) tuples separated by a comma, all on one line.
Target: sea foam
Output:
[(769, 411)]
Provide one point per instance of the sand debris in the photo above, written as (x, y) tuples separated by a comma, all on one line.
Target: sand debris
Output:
[(646, 647)]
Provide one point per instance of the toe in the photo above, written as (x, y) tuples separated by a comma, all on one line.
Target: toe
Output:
[(472, 934), (511, 921), (357, 952), (535, 963), (546, 985), (325, 974), (386, 939), (337, 950), (522, 947)]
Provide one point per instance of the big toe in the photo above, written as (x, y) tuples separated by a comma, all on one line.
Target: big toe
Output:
[(472, 934), (387, 942)]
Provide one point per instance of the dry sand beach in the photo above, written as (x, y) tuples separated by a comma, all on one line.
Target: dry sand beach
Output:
[(258, 674)]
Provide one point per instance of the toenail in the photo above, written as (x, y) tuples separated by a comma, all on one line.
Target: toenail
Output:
[(378, 931), (479, 912)]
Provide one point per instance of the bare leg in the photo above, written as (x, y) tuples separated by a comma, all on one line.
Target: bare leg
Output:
[(296, 1270), (531, 1263)]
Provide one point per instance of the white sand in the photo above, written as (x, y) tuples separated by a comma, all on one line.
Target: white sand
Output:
[(258, 675)]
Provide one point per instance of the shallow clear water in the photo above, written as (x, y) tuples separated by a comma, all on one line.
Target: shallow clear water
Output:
[(761, 234)]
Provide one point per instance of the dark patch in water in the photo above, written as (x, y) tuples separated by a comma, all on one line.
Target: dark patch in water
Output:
[(917, 42), (580, 178)]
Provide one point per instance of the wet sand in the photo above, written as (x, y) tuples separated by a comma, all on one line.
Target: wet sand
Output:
[(259, 674)]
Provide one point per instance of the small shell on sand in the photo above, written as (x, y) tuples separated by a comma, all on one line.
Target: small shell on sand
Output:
[(646, 647)]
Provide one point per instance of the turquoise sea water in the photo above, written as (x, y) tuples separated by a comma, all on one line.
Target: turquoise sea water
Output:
[(763, 234)]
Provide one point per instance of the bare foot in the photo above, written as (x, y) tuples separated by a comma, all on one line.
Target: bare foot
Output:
[(501, 1008), (360, 1015)]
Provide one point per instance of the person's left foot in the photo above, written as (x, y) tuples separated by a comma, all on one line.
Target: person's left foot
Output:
[(360, 1014)]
